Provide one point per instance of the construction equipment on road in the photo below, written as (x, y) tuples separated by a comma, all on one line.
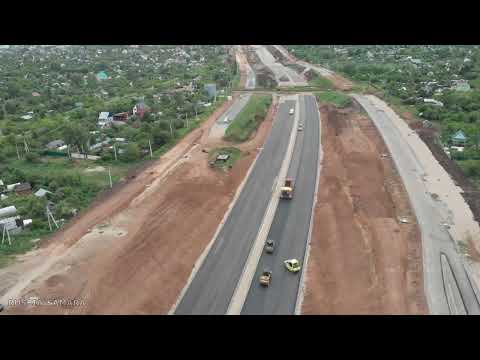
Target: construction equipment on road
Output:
[(265, 278), (286, 191), (269, 246), (292, 265)]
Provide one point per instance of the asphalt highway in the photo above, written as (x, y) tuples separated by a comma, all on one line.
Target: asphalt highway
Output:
[(214, 284), (290, 227)]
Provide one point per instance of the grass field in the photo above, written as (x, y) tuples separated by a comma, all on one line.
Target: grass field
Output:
[(321, 82), (249, 118), (334, 97)]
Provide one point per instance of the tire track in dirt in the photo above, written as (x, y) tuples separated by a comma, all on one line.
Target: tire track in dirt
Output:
[(362, 261)]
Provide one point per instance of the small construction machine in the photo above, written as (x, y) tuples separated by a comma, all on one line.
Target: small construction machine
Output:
[(265, 278)]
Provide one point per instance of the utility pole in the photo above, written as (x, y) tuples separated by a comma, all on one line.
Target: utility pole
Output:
[(18, 154), (68, 152), (115, 151), (110, 177), (150, 146), (5, 231), (26, 145), (50, 218)]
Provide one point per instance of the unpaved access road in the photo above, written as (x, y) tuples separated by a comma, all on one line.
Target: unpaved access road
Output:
[(133, 251), (361, 259), (423, 177), (338, 81), (247, 75)]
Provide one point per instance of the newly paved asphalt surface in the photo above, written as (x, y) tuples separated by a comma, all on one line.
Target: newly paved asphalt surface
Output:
[(234, 110), (213, 286), (447, 286), (290, 227)]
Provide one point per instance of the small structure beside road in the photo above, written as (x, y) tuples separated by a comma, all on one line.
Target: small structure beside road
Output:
[(41, 192), (23, 189), (459, 138)]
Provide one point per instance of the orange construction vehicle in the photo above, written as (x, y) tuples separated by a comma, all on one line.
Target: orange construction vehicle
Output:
[(286, 191)]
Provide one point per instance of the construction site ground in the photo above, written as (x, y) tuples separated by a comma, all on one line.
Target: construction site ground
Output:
[(133, 251), (471, 193), (362, 260)]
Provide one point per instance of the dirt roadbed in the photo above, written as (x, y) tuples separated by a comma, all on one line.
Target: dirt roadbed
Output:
[(362, 260), (133, 252)]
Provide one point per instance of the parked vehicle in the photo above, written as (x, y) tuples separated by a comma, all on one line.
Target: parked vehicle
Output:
[(292, 110)]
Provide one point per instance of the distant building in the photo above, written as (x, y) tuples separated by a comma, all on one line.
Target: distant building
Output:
[(23, 189), (459, 138), (433, 102), (101, 75), (140, 109), (211, 90), (42, 193), (104, 119), (460, 85), (120, 116)]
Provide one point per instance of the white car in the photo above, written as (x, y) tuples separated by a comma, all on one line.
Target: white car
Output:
[(291, 111)]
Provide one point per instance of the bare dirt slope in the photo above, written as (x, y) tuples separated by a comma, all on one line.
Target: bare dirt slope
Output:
[(133, 252), (362, 261), (241, 61)]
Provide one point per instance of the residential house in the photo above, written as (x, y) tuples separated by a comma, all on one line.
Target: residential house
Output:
[(433, 102), (101, 75), (23, 189), (41, 192), (140, 109), (460, 85), (55, 144), (104, 119), (123, 116), (459, 138)]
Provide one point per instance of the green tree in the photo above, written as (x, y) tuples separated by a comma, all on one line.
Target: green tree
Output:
[(132, 152), (32, 157), (75, 134)]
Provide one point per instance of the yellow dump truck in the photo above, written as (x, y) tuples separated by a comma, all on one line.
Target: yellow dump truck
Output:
[(286, 191)]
